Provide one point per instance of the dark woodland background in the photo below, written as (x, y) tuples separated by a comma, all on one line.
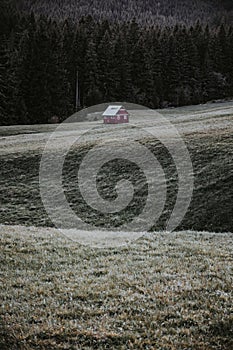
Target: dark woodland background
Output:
[(154, 53)]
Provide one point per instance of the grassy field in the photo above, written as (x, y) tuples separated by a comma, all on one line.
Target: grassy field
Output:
[(164, 291), (211, 206)]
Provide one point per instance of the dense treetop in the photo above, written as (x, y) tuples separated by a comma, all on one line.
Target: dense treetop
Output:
[(163, 12)]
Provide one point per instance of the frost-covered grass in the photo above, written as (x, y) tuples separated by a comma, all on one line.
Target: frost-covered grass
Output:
[(164, 291), (211, 206), (24, 138)]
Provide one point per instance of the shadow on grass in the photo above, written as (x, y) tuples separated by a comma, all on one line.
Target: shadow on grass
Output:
[(222, 333), (8, 341), (70, 339)]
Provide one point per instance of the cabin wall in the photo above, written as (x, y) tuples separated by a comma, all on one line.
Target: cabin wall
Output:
[(118, 119)]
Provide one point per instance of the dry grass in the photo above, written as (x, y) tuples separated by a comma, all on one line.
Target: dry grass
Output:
[(165, 291)]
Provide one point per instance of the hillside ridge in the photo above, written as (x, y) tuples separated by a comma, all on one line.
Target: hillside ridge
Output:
[(165, 12)]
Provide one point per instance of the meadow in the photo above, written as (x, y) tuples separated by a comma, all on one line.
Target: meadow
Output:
[(162, 291)]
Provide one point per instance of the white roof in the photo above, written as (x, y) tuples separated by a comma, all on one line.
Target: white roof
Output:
[(112, 110)]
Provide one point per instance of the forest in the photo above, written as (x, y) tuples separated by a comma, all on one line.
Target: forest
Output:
[(117, 60), (162, 12)]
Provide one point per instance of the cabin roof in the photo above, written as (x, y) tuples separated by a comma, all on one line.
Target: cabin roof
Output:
[(112, 110)]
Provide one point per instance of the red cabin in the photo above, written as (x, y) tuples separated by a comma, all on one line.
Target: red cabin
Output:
[(115, 115)]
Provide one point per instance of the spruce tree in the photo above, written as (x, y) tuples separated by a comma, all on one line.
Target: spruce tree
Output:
[(106, 68), (92, 94), (121, 65)]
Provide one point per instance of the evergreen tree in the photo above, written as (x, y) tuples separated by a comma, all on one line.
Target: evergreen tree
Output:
[(79, 58), (229, 63), (106, 68), (122, 69), (8, 23), (92, 94), (67, 57), (154, 66)]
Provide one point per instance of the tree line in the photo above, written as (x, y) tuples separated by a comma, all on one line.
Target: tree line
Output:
[(165, 12), (153, 66)]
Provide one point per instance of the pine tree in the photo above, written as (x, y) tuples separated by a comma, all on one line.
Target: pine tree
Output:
[(92, 94), (106, 68), (160, 63), (3, 89), (229, 62), (68, 62), (79, 58), (122, 69), (8, 24)]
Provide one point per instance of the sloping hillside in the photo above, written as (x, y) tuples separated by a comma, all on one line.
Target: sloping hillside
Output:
[(163, 291), (206, 129)]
